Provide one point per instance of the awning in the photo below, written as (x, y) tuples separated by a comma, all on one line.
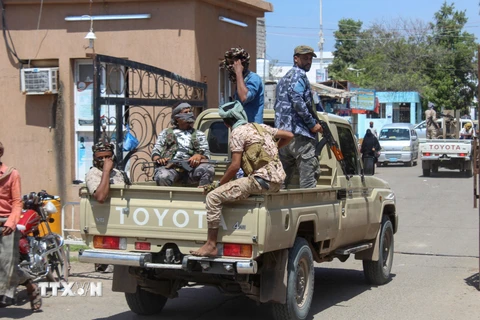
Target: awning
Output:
[(327, 91)]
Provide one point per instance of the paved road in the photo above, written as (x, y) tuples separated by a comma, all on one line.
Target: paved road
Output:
[(434, 272)]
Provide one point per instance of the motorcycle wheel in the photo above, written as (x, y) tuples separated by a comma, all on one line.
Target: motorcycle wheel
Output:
[(59, 267)]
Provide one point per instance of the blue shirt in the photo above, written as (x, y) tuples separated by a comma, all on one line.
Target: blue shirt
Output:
[(254, 104), (293, 102)]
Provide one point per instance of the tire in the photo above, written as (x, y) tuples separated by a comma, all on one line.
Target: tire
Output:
[(469, 170), (145, 303), (426, 172), (300, 282), (409, 163), (378, 272), (59, 266)]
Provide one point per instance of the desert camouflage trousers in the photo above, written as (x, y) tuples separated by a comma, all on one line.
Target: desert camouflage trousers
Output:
[(431, 132), (233, 191), (203, 174), (300, 154)]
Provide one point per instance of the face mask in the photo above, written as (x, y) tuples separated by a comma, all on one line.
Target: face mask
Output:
[(187, 117), (98, 162)]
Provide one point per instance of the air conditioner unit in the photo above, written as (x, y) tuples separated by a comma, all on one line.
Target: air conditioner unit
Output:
[(39, 80)]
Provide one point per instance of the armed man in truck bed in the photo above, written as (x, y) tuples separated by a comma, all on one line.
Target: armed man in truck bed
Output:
[(431, 119), (184, 143), (254, 150)]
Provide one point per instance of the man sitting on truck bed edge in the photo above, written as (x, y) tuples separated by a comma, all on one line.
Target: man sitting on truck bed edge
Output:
[(183, 143), (253, 149)]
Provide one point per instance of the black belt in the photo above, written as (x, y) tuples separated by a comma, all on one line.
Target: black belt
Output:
[(262, 182)]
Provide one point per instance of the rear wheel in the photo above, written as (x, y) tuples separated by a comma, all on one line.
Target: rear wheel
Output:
[(426, 172), (300, 281), (378, 272), (144, 302), (468, 169), (59, 266)]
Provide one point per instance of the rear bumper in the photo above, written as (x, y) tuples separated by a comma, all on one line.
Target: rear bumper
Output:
[(444, 158), (144, 260)]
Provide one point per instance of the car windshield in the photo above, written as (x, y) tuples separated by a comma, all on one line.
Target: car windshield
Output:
[(394, 134)]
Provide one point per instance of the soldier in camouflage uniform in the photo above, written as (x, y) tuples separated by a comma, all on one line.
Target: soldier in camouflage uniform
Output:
[(182, 142), (431, 118), (263, 176), (292, 113), (99, 178)]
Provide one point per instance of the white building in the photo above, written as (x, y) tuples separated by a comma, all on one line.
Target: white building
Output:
[(315, 75)]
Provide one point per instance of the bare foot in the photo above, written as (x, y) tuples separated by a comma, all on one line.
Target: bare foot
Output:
[(207, 250)]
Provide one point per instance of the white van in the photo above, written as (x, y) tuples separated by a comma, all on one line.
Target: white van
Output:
[(399, 144)]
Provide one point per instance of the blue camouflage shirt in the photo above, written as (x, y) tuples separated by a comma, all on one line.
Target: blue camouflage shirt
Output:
[(293, 102), (254, 104)]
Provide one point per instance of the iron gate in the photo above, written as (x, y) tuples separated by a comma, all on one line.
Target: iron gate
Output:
[(142, 96)]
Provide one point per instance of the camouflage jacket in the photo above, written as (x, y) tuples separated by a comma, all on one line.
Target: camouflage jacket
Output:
[(179, 144), (293, 101)]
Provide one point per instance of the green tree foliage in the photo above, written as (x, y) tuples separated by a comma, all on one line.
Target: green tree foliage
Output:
[(452, 72), (347, 38), (436, 59)]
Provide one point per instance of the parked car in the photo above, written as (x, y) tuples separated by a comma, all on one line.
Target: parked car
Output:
[(421, 128), (399, 144)]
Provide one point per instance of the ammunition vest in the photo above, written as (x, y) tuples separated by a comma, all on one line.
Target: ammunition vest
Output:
[(255, 157), (171, 145)]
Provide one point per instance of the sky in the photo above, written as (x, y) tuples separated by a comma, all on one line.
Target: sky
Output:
[(295, 22)]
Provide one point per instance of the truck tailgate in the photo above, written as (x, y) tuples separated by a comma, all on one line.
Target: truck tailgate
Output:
[(446, 146), (166, 214)]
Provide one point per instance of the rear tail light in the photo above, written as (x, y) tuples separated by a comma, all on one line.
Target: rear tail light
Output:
[(462, 154), (237, 250), (427, 154), (142, 245), (108, 242)]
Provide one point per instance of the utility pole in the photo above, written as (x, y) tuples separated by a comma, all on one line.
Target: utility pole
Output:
[(320, 43), (476, 168)]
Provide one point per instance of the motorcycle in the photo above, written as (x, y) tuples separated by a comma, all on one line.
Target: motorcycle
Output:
[(42, 252)]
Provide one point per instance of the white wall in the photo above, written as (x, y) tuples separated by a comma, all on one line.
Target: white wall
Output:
[(312, 74)]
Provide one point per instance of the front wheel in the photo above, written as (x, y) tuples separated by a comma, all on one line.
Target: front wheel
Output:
[(378, 272), (144, 302), (59, 266), (300, 282)]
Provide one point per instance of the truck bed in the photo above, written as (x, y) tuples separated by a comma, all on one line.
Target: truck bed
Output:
[(163, 215)]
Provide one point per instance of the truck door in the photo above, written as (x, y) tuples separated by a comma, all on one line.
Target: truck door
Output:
[(354, 194)]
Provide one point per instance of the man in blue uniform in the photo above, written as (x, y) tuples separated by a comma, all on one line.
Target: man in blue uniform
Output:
[(293, 112)]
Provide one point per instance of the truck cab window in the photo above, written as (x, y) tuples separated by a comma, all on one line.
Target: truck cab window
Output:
[(349, 148), (218, 138)]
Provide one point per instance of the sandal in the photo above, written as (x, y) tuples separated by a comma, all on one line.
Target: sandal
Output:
[(35, 299)]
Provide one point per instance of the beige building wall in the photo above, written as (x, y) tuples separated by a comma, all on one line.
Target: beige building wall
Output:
[(182, 36)]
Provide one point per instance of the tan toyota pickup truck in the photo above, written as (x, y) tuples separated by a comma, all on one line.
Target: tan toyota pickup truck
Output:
[(268, 244)]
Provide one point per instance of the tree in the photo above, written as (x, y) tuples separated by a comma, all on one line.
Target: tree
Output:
[(273, 69), (451, 68), (436, 59), (346, 53)]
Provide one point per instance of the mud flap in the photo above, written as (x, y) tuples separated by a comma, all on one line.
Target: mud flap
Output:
[(273, 283), (123, 281), (372, 253)]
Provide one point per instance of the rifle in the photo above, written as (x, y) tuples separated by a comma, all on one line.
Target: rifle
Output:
[(449, 116), (181, 163), (430, 122), (327, 138)]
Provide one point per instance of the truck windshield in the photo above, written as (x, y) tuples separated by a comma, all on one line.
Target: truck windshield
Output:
[(394, 134)]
